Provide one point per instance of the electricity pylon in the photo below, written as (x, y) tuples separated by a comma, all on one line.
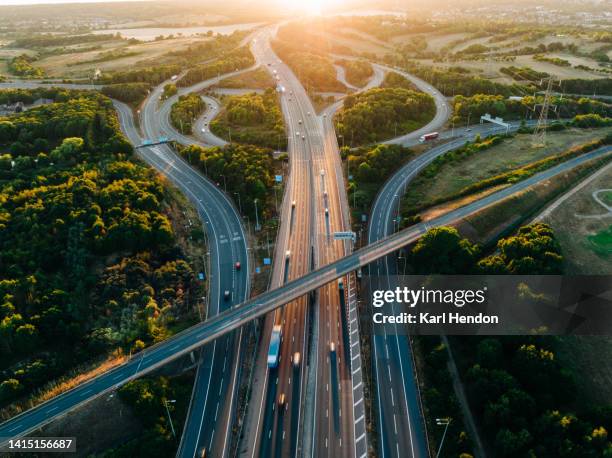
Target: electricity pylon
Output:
[(539, 133)]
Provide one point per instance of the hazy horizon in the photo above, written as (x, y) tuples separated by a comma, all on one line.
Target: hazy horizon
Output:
[(58, 2)]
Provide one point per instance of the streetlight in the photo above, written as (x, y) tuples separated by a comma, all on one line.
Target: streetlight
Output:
[(442, 422), (257, 226), (239, 203), (166, 402)]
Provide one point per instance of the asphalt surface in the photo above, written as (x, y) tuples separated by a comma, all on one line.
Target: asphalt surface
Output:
[(399, 415), (238, 315), (214, 387), (273, 428)]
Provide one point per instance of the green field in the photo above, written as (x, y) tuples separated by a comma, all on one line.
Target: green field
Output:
[(512, 153), (586, 242)]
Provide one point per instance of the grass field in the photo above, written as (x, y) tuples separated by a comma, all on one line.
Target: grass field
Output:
[(78, 64), (586, 242), (590, 359), (512, 153), (256, 79), (494, 221)]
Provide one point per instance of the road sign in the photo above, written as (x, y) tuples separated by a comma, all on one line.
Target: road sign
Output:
[(267, 261), (257, 270), (201, 276), (278, 178), (345, 236)]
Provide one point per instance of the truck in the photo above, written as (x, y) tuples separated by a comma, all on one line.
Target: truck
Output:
[(274, 350), (427, 137)]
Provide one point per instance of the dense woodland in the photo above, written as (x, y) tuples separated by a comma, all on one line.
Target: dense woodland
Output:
[(471, 108), (252, 118), (88, 257), (523, 396), (245, 170), (382, 113)]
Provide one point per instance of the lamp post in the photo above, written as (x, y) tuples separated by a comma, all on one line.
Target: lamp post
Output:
[(171, 401), (239, 202), (442, 422), (257, 226)]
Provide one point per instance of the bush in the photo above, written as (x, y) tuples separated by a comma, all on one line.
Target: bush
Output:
[(184, 112)]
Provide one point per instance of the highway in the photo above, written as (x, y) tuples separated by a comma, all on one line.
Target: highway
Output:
[(392, 354), (443, 108), (273, 428), (215, 387), (238, 315), (227, 245)]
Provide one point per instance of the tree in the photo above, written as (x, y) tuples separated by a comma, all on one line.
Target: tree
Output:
[(69, 148), (9, 389), (442, 251)]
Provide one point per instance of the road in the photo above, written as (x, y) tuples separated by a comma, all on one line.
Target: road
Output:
[(201, 128), (227, 240), (240, 314), (273, 429), (392, 353), (227, 245)]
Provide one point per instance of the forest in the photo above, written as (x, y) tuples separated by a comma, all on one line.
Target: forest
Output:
[(252, 118), (382, 113), (89, 264), (246, 170), (496, 105), (130, 93), (523, 396)]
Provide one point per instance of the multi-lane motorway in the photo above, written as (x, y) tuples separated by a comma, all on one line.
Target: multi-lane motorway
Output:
[(316, 185), (238, 315)]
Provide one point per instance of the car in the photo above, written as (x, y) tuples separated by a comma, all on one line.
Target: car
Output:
[(325, 115), (203, 130), (287, 254), (308, 113), (281, 400), (226, 295), (332, 347), (322, 172), (327, 212), (269, 64), (299, 121), (325, 194), (237, 265), (297, 359), (303, 138), (293, 204), (468, 129)]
